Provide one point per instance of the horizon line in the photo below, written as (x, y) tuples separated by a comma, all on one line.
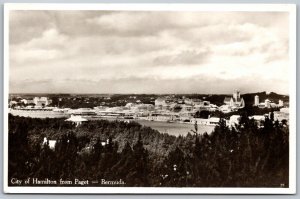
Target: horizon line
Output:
[(58, 93)]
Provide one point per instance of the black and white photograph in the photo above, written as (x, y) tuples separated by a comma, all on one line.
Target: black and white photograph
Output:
[(111, 98)]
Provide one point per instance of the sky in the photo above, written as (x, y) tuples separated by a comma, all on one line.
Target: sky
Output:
[(148, 52)]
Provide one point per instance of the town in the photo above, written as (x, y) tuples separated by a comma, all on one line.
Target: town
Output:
[(167, 108), (128, 133)]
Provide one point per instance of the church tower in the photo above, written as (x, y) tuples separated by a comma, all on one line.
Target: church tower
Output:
[(236, 95)]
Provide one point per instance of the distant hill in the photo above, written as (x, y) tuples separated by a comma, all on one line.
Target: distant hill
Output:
[(274, 97), (249, 98), (122, 99)]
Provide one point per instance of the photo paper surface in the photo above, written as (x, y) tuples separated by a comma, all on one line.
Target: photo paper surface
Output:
[(150, 98)]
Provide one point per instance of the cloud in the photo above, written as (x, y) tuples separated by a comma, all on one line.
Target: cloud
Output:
[(107, 51), (25, 25), (143, 23), (184, 57), (199, 84), (48, 46)]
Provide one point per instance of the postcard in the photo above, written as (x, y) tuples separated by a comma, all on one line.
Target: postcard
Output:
[(150, 98)]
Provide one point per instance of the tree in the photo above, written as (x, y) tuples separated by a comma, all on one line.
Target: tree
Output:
[(272, 116), (202, 114), (97, 150), (18, 150)]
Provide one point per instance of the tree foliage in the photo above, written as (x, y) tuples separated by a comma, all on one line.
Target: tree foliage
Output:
[(242, 156)]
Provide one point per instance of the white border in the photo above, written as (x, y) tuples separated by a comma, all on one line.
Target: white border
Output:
[(291, 8)]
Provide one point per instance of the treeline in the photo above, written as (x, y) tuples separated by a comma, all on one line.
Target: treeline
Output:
[(91, 102), (251, 110), (244, 156)]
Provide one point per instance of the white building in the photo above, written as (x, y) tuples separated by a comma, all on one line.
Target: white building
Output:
[(267, 103), (145, 107), (41, 101), (129, 105), (258, 117), (77, 120), (213, 121), (284, 110), (233, 120), (186, 108), (83, 111), (188, 101), (162, 104), (283, 114), (164, 117), (235, 102), (280, 103), (256, 100), (51, 143), (225, 108), (11, 103), (24, 101)]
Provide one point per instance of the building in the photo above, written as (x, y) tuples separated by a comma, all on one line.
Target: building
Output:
[(197, 102), (51, 143), (213, 121), (225, 108), (163, 117), (256, 100), (163, 104), (234, 120), (267, 103), (284, 110), (83, 112), (281, 115), (188, 101), (12, 103), (159, 103), (41, 101), (280, 103), (130, 105), (186, 108), (77, 120), (235, 102), (145, 107), (25, 101)]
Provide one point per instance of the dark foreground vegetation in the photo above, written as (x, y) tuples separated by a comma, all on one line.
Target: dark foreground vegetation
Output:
[(245, 156)]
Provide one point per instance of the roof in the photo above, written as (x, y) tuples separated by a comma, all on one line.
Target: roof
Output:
[(76, 118), (258, 117), (52, 144), (214, 119), (284, 110), (235, 116)]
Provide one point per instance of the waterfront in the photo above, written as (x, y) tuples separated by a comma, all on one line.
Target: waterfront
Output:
[(38, 113), (174, 128)]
